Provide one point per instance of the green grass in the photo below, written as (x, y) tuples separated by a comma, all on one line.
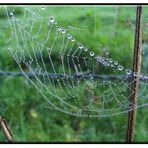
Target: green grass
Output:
[(25, 109)]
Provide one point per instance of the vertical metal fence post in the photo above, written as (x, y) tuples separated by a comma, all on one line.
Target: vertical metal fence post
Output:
[(136, 69)]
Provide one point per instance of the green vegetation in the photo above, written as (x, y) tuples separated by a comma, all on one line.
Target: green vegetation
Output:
[(28, 113)]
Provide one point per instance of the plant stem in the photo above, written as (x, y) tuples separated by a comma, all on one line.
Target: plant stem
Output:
[(136, 68), (6, 130)]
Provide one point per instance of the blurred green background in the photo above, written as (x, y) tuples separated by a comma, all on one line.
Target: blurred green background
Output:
[(28, 114)]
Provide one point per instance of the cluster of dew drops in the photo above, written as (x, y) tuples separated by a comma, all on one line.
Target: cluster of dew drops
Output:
[(105, 61)]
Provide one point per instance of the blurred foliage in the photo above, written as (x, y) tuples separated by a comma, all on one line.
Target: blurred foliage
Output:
[(28, 114)]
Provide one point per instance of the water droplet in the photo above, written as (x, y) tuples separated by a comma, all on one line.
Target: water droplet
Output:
[(102, 59), (110, 60), (105, 63), (43, 7), (63, 31), (69, 36), (85, 49), (72, 39), (146, 76), (108, 64), (91, 53), (51, 19), (80, 46), (116, 62), (105, 49), (112, 65), (11, 13), (107, 53), (128, 71), (120, 67), (59, 28)]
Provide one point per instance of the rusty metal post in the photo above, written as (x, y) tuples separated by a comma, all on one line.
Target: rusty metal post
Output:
[(136, 68)]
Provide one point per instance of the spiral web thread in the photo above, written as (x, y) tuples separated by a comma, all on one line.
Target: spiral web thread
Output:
[(72, 84)]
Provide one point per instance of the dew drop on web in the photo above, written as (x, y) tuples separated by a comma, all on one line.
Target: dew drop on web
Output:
[(91, 53), (11, 13), (63, 31), (107, 53), (51, 19), (120, 67), (43, 7), (128, 71), (69, 36), (110, 60), (59, 28), (85, 49), (116, 62), (80, 45), (102, 59), (72, 39)]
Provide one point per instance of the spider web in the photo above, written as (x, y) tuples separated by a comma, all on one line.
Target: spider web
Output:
[(69, 75)]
